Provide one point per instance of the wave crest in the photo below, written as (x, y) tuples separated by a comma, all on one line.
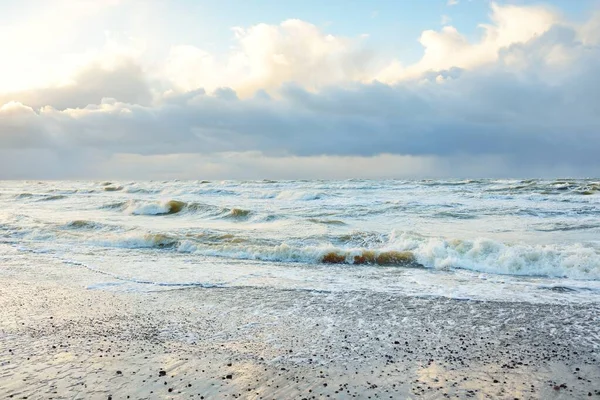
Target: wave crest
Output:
[(156, 208), (82, 224), (299, 195), (113, 188), (370, 257), (237, 213)]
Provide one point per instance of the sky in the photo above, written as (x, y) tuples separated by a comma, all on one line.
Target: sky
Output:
[(271, 89)]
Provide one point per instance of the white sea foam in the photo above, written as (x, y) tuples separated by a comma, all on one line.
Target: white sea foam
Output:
[(485, 255)]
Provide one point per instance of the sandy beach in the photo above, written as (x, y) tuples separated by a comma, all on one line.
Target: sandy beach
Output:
[(61, 340)]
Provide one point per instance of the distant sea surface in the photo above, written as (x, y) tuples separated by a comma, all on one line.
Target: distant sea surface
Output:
[(501, 240)]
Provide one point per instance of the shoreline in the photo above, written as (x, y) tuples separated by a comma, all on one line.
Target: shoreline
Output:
[(61, 340)]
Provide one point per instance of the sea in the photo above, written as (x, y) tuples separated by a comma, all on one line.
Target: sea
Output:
[(517, 240)]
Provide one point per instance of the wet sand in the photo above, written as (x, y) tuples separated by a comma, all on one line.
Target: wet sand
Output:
[(61, 340)]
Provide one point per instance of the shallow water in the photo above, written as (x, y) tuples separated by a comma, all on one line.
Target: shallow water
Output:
[(515, 240)]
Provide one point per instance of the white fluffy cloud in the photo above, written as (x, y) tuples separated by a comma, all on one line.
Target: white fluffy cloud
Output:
[(270, 55), (448, 48), (290, 100)]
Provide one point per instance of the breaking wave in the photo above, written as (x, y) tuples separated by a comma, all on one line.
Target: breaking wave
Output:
[(308, 254), (156, 208), (482, 255), (236, 213), (490, 256), (168, 207), (144, 241)]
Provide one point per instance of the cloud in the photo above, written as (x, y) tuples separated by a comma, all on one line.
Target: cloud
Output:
[(448, 48), (291, 101), (267, 56), (452, 3), (124, 81), (589, 33), (44, 42), (494, 111)]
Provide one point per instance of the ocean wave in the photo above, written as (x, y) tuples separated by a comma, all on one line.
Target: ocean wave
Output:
[(307, 254), (481, 255), (82, 224), (326, 221), (156, 208), (86, 225), (456, 215), (212, 211), (368, 240), (119, 205), (561, 226), (136, 189), (451, 182), (40, 196), (53, 197), (211, 238), (168, 207), (113, 188), (485, 255), (212, 192), (547, 188), (401, 249), (236, 213), (139, 241), (300, 195)]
